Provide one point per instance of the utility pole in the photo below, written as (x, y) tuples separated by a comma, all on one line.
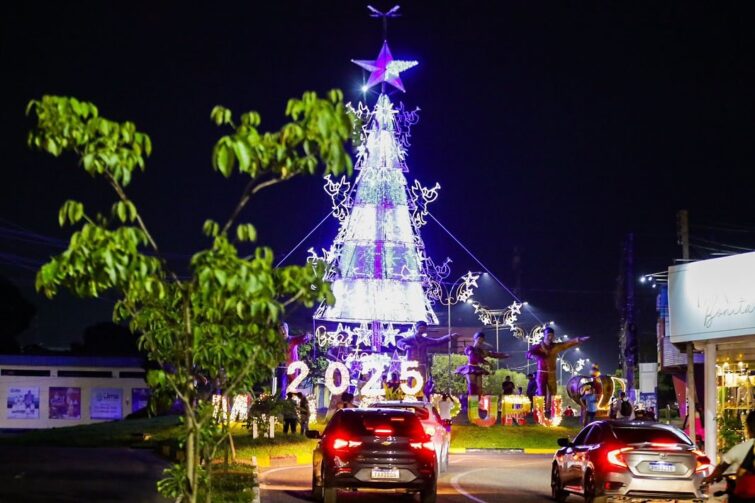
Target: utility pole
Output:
[(682, 234), (630, 331)]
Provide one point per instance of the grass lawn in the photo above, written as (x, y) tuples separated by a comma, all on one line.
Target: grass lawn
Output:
[(124, 433), (531, 436), (147, 432)]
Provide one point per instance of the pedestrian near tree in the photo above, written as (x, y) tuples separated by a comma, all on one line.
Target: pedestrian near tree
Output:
[(508, 386), (290, 416), (531, 389)]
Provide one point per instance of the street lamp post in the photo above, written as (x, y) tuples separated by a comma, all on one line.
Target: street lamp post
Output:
[(534, 336), (459, 291), (498, 318), (573, 367)]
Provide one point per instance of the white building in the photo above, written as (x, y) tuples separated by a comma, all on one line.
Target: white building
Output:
[(712, 307), (54, 391)]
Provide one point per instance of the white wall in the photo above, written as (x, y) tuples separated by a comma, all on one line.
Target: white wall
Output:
[(44, 384)]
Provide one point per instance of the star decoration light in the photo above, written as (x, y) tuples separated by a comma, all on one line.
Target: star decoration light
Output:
[(385, 69)]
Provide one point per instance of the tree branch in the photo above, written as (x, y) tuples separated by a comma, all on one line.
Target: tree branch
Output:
[(123, 197), (249, 191)]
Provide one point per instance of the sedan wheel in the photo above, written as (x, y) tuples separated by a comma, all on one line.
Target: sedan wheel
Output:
[(557, 493), (591, 495), (330, 494), (317, 494)]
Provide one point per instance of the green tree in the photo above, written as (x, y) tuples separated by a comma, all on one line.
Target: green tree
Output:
[(222, 318)]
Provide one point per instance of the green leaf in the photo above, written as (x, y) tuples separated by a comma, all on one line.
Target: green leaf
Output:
[(220, 115), (210, 228), (121, 211), (223, 159), (246, 232)]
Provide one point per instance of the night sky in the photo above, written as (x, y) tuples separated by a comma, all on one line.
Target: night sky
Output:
[(555, 128)]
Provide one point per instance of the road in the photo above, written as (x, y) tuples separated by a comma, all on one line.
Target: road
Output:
[(479, 478), (65, 474)]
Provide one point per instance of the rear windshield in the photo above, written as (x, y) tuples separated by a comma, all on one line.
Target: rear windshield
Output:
[(365, 423), (654, 435), (421, 412)]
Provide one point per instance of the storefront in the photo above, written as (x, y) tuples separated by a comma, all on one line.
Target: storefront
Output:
[(712, 307)]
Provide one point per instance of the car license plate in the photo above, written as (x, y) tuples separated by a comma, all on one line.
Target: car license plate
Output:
[(385, 473), (660, 466)]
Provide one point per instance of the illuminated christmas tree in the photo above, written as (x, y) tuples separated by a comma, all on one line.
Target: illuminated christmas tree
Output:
[(377, 264)]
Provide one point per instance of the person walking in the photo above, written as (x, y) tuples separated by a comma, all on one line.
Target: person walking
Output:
[(290, 417)]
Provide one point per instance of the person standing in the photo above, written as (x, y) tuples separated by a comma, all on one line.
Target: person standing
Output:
[(303, 413), (444, 410), (531, 389), (507, 386), (624, 408), (589, 404), (290, 416)]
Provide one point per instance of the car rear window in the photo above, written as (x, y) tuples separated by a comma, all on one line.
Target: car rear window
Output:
[(421, 412), (654, 435), (366, 423)]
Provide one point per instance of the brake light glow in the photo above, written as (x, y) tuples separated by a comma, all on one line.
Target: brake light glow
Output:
[(430, 430), (384, 432), (703, 462), (616, 457), (423, 445), (340, 443)]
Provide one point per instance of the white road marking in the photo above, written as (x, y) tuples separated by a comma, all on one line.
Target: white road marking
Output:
[(264, 485), (455, 484)]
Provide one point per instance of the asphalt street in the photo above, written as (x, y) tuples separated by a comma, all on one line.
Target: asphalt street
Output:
[(481, 478), (63, 474)]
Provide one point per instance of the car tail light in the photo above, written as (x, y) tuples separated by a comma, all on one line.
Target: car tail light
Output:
[(430, 430), (616, 457), (384, 432), (703, 462), (423, 445), (343, 444)]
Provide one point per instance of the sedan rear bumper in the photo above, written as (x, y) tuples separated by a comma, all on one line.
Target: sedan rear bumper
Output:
[(651, 488)]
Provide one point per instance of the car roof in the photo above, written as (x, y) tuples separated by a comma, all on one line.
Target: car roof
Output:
[(619, 423), (376, 411), (400, 403)]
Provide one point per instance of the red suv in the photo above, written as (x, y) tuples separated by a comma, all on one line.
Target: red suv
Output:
[(373, 449)]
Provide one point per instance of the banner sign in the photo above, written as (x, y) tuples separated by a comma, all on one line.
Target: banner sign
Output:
[(65, 403), (712, 299), (106, 403), (139, 398), (23, 403)]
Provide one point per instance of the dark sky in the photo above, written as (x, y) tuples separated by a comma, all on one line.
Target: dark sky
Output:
[(556, 128)]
